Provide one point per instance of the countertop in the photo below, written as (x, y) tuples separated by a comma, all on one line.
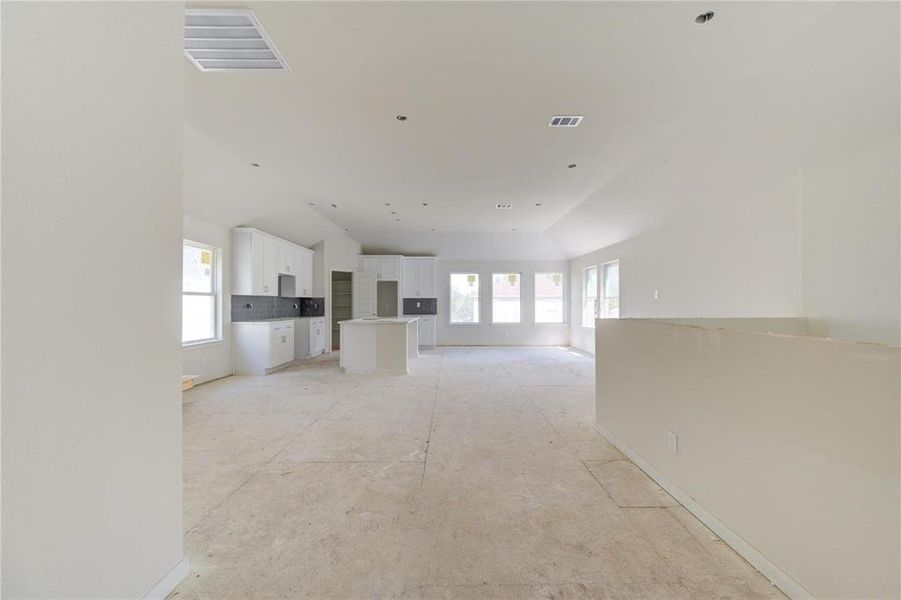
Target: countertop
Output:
[(381, 321), (275, 319)]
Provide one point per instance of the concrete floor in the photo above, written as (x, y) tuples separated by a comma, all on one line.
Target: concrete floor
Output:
[(478, 476)]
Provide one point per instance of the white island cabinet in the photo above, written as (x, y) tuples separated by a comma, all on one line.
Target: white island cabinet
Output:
[(379, 345), (263, 346)]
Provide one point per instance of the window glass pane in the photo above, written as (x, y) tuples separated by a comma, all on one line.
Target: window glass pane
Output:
[(464, 300), (610, 302), (197, 269), (198, 318), (591, 282), (505, 292), (548, 297)]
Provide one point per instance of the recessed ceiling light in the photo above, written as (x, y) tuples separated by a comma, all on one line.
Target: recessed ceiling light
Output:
[(514, 229), (311, 203), (425, 203), (347, 229), (538, 204), (334, 205), (571, 166), (401, 117), (431, 229), (387, 204), (397, 219), (704, 17), (254, 164), (393, 212)]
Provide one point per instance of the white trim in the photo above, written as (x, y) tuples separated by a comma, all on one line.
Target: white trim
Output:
[(777, 576), (168, 582)]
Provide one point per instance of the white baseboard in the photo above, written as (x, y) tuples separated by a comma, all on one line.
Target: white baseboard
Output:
[(167, 582), (777, 576)]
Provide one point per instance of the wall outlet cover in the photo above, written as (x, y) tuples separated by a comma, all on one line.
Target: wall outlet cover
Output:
[(672, 439)]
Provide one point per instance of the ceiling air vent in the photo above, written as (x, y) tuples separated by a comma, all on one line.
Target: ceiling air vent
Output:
[(502, 206), (229, 40), (565, 121)]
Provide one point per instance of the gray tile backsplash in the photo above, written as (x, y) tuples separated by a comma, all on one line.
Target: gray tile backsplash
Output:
[(426, 306), (255, 308)]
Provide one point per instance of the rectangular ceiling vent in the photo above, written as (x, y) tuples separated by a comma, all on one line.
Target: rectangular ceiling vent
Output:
[(229, 40), (565, 121), (502, 206)]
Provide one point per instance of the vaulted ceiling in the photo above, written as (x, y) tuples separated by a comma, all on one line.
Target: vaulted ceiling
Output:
[(663, 99)]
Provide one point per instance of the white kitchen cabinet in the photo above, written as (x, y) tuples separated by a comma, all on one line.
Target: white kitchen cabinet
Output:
[(386, 268), (309, 337), (262, 346), (420, 277), (287, 258), (304, 284), (259, 259), (428, 330)]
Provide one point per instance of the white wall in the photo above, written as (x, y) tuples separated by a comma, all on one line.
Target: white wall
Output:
[(738, 261), (212, 360), (503, 334), (789, 443), (92, 102), (850, 245)]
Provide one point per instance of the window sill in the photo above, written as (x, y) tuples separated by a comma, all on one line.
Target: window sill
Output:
[(202, 343)]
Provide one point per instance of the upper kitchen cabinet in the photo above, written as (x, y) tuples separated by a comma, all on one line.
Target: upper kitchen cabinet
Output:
[(420, 278), (259, 259), (386, 268), (304, 284), (287, 259)]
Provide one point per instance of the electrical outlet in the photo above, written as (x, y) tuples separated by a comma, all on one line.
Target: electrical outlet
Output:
[(656, 294), (672, 439)]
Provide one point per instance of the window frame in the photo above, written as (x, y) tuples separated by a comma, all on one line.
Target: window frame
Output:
[(563, 303), (215, 294), (450, 300), (602, 293), (585, 296), (503, 323)]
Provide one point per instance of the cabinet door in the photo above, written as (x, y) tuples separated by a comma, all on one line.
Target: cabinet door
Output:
[(305, 275), (410, 282), (269, 266), (427, 279), (388, 268), (427, 331), (287, 259)]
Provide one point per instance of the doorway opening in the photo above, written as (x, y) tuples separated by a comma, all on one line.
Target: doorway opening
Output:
[(342, 303)]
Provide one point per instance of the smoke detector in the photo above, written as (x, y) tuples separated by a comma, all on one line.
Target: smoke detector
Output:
[(503, 206), (565, 121), (229, 40)]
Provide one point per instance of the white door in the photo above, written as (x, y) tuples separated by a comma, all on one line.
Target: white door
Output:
[(305, 283), (270, 267), (427, 279), (364, 294), (411, 278)]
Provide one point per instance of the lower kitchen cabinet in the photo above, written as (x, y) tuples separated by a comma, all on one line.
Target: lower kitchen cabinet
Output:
[(309, 337), (428, 330), (262, 346)]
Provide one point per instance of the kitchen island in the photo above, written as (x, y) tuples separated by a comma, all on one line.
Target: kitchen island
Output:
[(383, 345)]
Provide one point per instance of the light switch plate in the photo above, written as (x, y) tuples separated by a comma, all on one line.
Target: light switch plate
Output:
[(672, 439)]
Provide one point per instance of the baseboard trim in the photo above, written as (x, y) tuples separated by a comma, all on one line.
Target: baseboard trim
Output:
[(167, 582), (777, 576)]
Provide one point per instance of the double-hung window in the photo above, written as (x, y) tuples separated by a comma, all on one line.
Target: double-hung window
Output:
[(589, 296), (506, 289), (549, 297), (464, 298), (200, 293), (610, 299)]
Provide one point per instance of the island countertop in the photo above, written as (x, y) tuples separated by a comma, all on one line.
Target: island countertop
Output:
[(381, 321)]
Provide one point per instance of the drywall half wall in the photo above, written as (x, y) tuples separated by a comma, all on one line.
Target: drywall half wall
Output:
[(738, 260), (92, 111), (787, 445), (212, 360), (486, 333)]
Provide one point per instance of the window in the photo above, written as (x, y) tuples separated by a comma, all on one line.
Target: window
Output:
[(464, 298), (199, 302), (589, 296), (610, 300), (505, 294), (549, 297)]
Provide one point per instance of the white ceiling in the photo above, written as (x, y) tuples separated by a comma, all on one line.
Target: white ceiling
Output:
[(661, 96)]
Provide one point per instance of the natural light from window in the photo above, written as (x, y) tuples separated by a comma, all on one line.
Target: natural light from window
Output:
[(198, 300), (610, 302), (505, 297), (589, 296), (549, 297), (464, 298)]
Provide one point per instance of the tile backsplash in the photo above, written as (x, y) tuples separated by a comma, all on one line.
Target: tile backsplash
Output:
[(427, 306), (255, 308)]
